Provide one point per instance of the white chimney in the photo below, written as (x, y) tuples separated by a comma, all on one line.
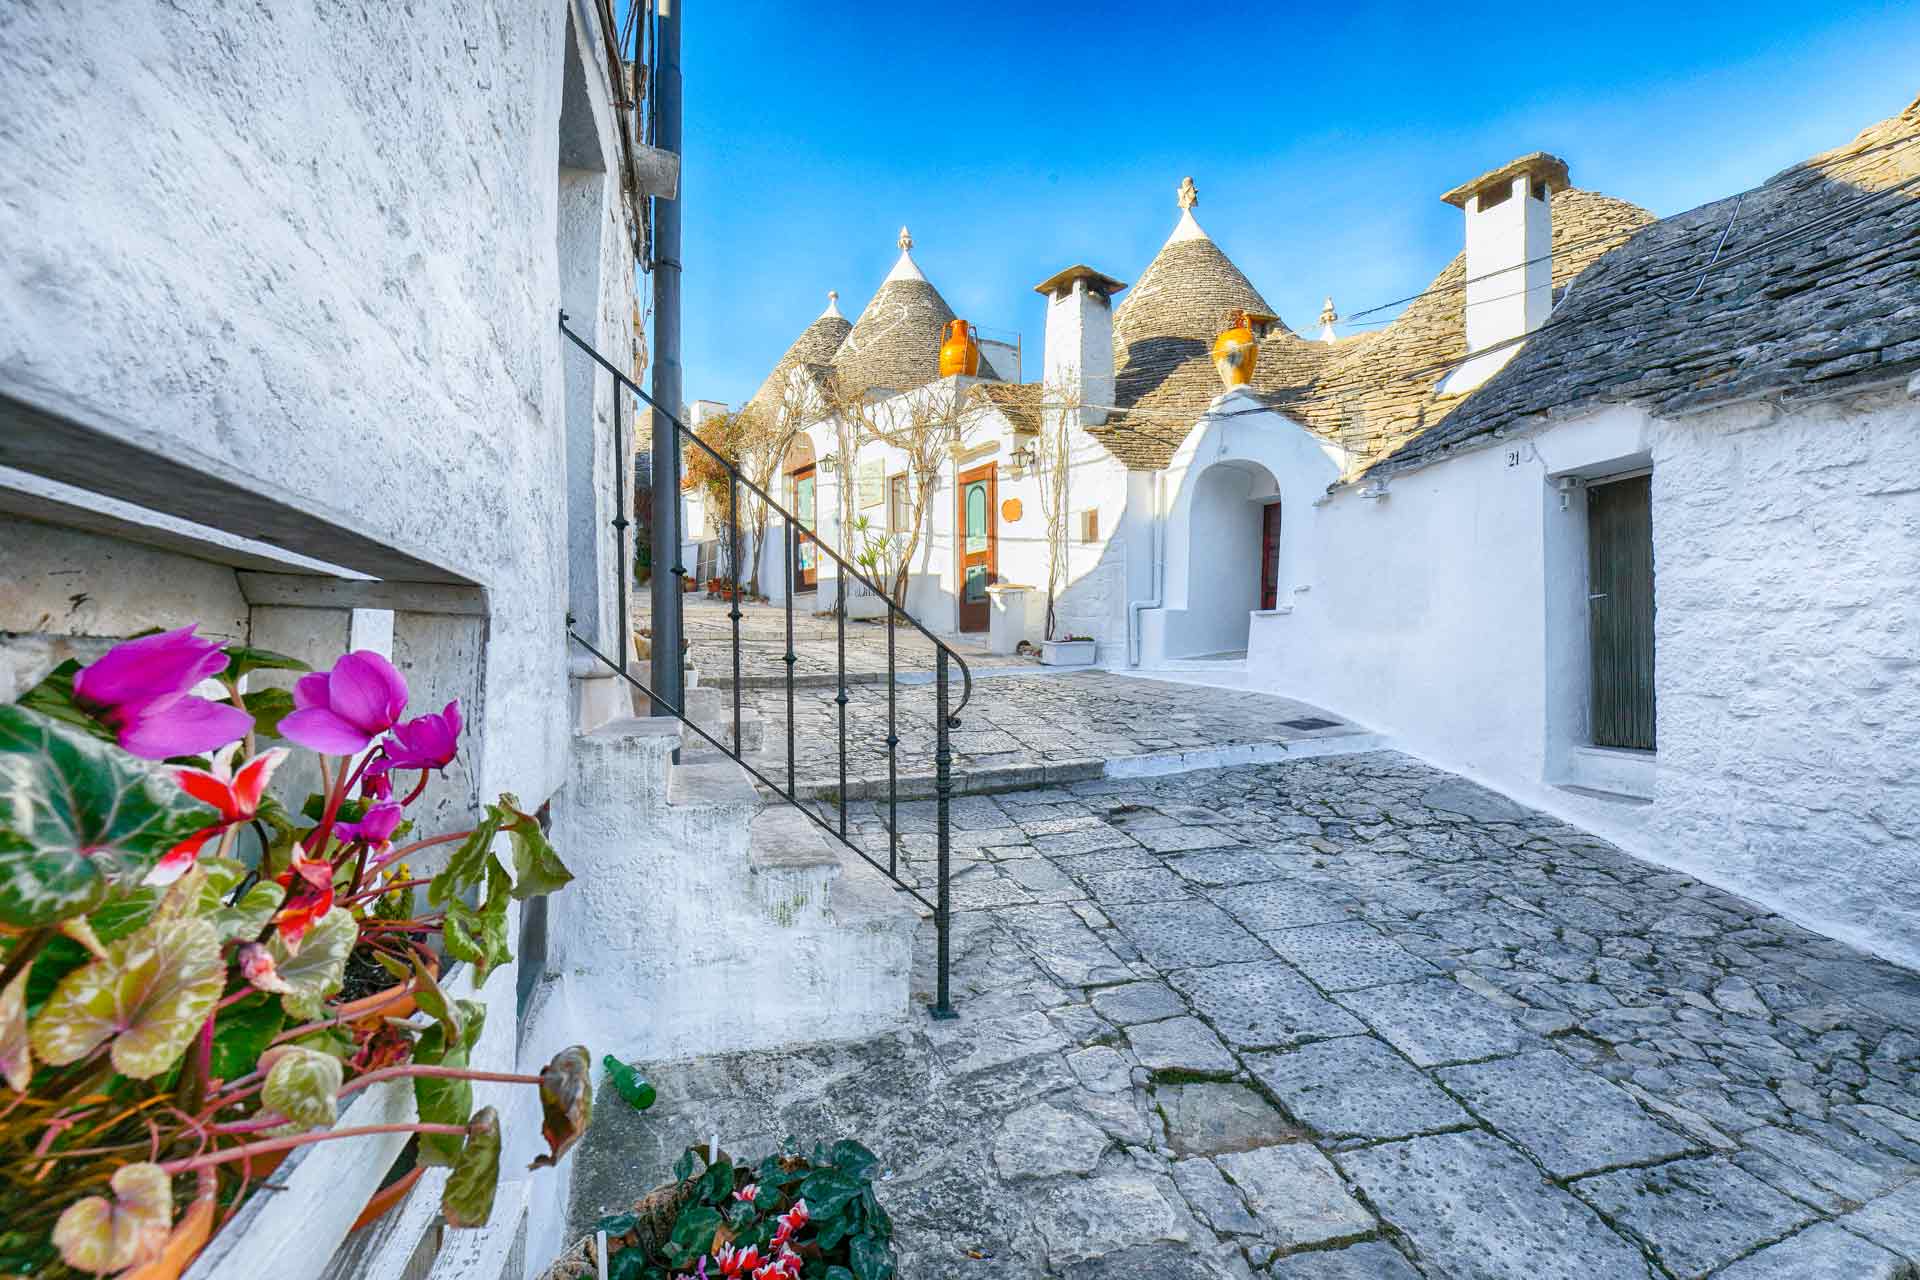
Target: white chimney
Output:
[(1079, 343), (1509, 289)]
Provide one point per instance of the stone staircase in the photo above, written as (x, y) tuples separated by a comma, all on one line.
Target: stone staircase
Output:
[(704, 920)]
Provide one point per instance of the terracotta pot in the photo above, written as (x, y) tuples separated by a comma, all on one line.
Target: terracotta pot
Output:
[(381, 1202), (1235, 352), (368, 1012), (960, 353)]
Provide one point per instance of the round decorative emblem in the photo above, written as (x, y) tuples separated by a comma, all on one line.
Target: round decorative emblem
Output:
[(1010, 510)]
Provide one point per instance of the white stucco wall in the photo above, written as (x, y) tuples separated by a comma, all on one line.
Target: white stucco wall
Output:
[(1239, 457), (1452, 616), (323, 254)]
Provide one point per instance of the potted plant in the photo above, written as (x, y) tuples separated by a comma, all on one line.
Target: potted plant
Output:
[(175, 947), (789, 1217), (1068, 651)]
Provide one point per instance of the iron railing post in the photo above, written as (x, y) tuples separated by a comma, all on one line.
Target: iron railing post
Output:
[(793, 584), (942, 803), (622, 460), (840, 620), (733, 536), (893, 757)]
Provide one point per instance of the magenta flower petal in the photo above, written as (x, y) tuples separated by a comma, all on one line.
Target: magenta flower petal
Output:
[(186, 726), (425, 742), (364, 688), (376, 826), (152, 667), (319, 729), (310, 690)]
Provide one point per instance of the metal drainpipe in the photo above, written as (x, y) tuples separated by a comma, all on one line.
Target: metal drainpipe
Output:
[(1158, 534)]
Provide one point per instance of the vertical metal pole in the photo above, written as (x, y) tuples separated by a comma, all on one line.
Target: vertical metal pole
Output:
[(840, 621), (622, 461), (893, 758), (668, 572), (943, 793), (733, 534), (793, 584)]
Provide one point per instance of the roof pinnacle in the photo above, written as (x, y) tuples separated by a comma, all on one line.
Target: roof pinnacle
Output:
[(1189, 195), (906, 240)]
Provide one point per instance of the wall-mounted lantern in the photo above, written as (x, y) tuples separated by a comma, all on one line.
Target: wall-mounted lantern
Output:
[(1023, 458), (829, 464)]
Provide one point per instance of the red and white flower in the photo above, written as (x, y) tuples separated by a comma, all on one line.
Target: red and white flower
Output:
[(737, 1263), (747, 1193)]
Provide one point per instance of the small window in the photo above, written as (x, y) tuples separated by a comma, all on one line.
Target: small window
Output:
[(1090, 525), (898, 513)]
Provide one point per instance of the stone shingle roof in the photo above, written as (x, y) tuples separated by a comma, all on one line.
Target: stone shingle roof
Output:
[(1836, 306), (1018, 402), (895, 344), (1375, 395), (815, 345)]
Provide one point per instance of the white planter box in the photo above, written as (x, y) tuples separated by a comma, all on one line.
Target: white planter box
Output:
[(1067, 653)]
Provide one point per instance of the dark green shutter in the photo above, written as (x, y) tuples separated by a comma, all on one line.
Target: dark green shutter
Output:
[(1620, 590)]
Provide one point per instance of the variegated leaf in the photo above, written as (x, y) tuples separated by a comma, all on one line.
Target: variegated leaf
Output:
[(78, 818), (247, 917), (566, 1102), (467, 1200), (101, 1235), (303, 1086), (16, 1055), (319, 967), (149, 996)]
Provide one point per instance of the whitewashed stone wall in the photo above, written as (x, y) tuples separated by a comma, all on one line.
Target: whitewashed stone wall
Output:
[(1787, 644), (1451, 615)]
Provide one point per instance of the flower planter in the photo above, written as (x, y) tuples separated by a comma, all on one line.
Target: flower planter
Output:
[(1068, 653)]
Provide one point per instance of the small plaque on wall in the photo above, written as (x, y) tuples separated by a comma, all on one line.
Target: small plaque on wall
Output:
[(1011, 510), (873, 483)]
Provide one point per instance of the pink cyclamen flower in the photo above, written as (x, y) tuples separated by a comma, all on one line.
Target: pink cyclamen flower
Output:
[(746, 1194), (425, 742), (376, 826), (340, 712), (141, 690)]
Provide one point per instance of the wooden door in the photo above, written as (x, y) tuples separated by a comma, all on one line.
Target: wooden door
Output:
[(1620, 599), (1270, 555), (978, 535), (806, 554)]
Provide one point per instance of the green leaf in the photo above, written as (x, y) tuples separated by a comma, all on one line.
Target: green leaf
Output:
[(428, 995), (537, 869), (827, 1192), (468, 865), (241, 660), (268, 707), (319, 967), (441, 1100), (837, 1272), (98, 1234), (716, 1184), (53, 698), (16, 1054), (833, 1232), (871, 1259), (303, 1086), (854, 1160), (78, 819), (693, 1230), (149, 996), (617, 1224), (683, 1167), (480, 936), (468, 1198), (630, 1084), (628, 1264), (243, 1032), (247, 917), (333, 1040), (566, 1102)]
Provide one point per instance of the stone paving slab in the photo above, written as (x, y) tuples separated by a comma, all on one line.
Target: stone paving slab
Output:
[(1821, 1252), (1356, 1087), (1555, 976), (1347, 956), (1695, 1215), (1472, 1206), (1572, 1121), (1298, 1196)]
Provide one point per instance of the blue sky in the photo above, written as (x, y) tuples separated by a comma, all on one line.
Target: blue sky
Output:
[(1014, 140)]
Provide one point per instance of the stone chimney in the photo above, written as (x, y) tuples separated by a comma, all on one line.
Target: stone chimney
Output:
[(1079, 343), (1509, 290)]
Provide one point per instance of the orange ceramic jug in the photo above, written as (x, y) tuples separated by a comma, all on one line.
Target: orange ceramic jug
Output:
[(1235, 352), (960, 353)]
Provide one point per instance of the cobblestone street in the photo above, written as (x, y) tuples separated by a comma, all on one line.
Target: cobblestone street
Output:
[(1346, 1019)]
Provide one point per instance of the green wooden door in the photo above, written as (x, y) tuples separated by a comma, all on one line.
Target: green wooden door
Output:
[(1620, 597)]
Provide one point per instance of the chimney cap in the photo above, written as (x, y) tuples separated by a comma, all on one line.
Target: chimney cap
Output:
[(1060, 281), (1537, 165)]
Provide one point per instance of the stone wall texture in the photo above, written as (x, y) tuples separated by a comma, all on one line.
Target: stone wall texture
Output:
[(317, 243), (1787, 640)]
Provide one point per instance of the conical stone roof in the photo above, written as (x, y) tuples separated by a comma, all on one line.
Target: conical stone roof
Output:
[(895, 344), (816, 344)]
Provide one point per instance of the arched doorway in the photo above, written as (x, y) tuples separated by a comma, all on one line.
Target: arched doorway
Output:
[(1233, 559)]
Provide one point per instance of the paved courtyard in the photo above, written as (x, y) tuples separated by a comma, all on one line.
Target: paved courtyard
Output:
[(1345, 1019)]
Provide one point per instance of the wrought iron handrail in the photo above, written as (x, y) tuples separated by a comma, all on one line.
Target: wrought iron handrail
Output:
[(946, 718)]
